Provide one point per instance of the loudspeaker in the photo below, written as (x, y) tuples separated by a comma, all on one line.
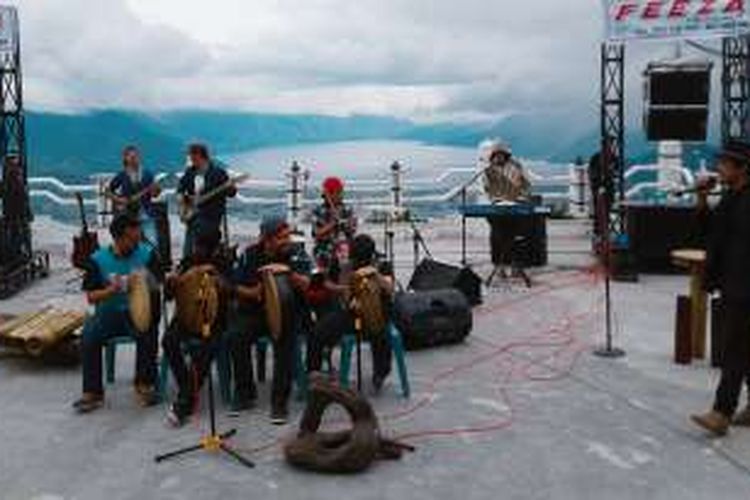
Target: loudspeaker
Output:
[(679, 87), (432, 318), (677, 124), (676, 99), (433, 275)]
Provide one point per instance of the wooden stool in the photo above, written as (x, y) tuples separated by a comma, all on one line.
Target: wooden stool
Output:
[(695, 261)]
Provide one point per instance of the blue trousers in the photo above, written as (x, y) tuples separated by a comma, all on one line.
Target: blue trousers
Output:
[(104, 325)]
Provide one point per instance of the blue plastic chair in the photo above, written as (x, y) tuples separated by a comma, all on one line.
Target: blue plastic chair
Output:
[(348, 343)]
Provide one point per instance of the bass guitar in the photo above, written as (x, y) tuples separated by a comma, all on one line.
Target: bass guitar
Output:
[(86, 243)]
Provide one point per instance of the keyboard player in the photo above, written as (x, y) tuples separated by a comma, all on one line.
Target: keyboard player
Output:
[(505, 182)]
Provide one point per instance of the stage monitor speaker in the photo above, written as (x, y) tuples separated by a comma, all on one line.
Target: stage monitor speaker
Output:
[(679, 87), (433, 275), (677, 124)]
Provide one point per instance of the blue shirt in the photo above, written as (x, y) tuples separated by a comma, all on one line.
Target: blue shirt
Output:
[(123, 185), (104, 263)]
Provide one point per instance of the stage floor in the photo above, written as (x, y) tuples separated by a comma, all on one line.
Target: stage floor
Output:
[(522, 410)]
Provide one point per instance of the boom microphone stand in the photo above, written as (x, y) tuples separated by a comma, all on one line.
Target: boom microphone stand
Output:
[(213, 442)]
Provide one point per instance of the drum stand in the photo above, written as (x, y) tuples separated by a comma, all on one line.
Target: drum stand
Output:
[(214, 442)]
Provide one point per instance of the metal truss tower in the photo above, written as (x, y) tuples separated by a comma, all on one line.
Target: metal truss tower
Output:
[(735, 91)]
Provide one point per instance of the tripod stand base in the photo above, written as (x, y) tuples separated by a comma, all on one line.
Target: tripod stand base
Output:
[(609, 352), (212, 444)]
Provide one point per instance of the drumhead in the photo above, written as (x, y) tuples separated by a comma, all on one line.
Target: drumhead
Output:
[(139, 301)]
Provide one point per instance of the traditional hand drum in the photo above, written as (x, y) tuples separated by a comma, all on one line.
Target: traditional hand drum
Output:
[(367, 302), (139, 301), (197, 301), (278, 299)]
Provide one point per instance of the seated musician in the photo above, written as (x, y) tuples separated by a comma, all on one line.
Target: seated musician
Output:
[(105, 283), (505, 181), (206, 255), (275, 247), (133, 190), (337, 321), (203, 176), (334, 226)]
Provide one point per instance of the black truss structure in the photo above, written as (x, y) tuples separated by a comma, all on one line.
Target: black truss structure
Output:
[(612, 124), (18, 262), (734, 84)]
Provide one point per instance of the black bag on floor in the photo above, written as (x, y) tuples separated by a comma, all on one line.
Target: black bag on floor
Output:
[(432, 317)]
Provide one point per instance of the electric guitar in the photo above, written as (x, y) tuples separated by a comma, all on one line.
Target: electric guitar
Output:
[(86, 243), (189, 204), (130, 201)]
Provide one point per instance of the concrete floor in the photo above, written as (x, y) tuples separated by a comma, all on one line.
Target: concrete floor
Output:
[(522, 410)]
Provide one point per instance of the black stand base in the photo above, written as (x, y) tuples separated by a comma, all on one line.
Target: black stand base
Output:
[(210, 443), (609, 352), (214, 442), (519, 272)]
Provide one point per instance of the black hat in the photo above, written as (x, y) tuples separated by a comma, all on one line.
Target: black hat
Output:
[(363, 250), (738, 151), (121, 222)]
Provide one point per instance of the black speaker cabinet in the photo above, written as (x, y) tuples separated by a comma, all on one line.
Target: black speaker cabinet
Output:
[(677, 124), (433, 275), (677, 95)]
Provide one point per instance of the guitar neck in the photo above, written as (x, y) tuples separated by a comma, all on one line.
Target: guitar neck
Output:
[(217, 191)]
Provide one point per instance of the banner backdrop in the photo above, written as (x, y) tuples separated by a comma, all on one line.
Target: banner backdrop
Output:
[(628, 19)]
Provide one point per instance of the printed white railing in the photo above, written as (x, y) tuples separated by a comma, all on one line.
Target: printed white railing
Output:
[(393, 191)]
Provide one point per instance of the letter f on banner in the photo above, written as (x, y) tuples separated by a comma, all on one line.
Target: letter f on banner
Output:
[(624, 10)]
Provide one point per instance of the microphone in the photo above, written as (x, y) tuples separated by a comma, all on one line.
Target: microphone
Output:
[(706, 187)]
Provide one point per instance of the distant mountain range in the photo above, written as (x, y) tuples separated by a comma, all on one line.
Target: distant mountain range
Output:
[(74, 146)]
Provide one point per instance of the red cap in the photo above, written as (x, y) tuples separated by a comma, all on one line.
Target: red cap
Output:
[(333, 185)]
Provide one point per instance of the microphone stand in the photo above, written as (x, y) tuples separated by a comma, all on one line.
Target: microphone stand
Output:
[(462, 190), (608, 350)]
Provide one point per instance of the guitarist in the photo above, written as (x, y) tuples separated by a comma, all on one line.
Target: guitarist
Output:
[(132, 191), (203, 176)]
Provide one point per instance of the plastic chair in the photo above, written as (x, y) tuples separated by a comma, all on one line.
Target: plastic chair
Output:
[(299, 372), (348, 344)]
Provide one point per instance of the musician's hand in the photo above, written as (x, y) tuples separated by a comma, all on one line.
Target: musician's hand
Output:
[(299, 281), (250, 293), (116, 285), (705, 184)]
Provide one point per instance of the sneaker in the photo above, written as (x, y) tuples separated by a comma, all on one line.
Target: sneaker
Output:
[(145, 395), (713, 421), (175, 417), (88, 402), (742, 419), (279, 415)]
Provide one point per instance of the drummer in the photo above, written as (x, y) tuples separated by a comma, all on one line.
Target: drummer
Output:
[(105, 284), (274, 247), (337, 321), (206, 253)]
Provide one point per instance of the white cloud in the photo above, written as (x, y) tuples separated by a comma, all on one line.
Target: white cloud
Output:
[(425, 59)]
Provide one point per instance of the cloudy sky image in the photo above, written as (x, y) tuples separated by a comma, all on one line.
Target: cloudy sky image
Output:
[(428, 60)]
